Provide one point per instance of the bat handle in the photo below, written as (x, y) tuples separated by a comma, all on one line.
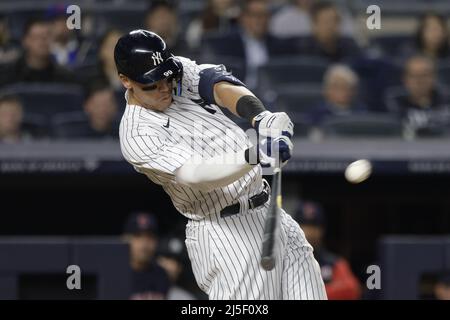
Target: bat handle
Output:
[(268, 255)]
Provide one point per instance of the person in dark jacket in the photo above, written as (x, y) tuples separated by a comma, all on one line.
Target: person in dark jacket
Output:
[(149, 280), (432, 38), (251, 42), (423, 106), (36, 64), (326, 41), (99, 119), (340, 282), (340, 95)]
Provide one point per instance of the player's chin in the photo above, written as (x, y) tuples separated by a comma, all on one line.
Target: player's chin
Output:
[(165, 103)]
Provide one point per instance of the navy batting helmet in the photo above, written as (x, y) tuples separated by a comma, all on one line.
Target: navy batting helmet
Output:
[(142, 56)]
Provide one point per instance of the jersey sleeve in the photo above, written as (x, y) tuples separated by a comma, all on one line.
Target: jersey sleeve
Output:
[(146, 150), (198, 80)]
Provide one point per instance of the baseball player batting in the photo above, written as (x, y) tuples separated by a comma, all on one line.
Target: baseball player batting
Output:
[(174, 132)]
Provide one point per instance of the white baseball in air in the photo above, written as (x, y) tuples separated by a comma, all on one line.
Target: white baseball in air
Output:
[(358, 171)]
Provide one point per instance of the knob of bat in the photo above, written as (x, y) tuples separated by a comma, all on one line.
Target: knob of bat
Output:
[(268, 263)]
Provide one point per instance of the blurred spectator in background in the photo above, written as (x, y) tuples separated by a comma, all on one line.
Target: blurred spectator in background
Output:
[(8, 51), (442, 286), (11, 116), (99, 120), (218, 16), (340, 282), (64, 43), (162, 19), (432, 38), (172, 256), (326, 41), (36, 65), (102, 112), (251, 43), (423, 105), (105, 70), (149, 280), (293, 20), (340, 91)]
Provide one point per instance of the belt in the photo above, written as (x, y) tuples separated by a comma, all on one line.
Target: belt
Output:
[(253, 202)]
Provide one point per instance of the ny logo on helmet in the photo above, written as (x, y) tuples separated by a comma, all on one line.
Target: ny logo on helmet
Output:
[(157, 59)]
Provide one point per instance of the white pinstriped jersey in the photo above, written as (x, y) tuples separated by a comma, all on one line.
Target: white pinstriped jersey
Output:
[(157, 143), (225, 252)]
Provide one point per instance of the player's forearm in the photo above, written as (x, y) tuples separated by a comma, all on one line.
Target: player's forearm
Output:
[(227, 95), (212, 173)]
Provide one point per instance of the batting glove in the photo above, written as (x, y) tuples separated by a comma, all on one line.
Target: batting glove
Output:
[(275, 131)]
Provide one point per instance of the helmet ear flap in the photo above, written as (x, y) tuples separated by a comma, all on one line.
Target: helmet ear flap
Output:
[(176, 82), (177, 79)]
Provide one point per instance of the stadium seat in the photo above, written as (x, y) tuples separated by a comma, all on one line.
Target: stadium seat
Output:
[(116, 17), (393, 93), (302, 125), (390, 97), (75, 125), (188, 13), (68, 125), (47, 99), (444, 72), (401, 8), (120, 98), (434, 128), (282, 71), (87, 70), (390, 44), (362, 125), (87, 55), (376, 75), (211, 40), (296, 98), (35, 125)]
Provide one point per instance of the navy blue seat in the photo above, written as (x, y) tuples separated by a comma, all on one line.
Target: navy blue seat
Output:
[(296, 98), (302, 125), (120, 98), (46, 99), (35, 125), (282, 71), (88, 70), (391, 44), (391, 96), (188, 14), (231, 44), (444, 72), (69, 125), (121, 19), (363, 125), (75, 125)]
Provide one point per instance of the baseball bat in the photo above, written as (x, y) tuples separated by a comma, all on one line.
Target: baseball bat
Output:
[(268, 254)]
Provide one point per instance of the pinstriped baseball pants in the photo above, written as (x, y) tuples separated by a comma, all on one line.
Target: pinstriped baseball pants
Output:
[(225, 254)]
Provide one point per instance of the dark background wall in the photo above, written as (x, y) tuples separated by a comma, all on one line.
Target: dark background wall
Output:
[(357, 214)]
